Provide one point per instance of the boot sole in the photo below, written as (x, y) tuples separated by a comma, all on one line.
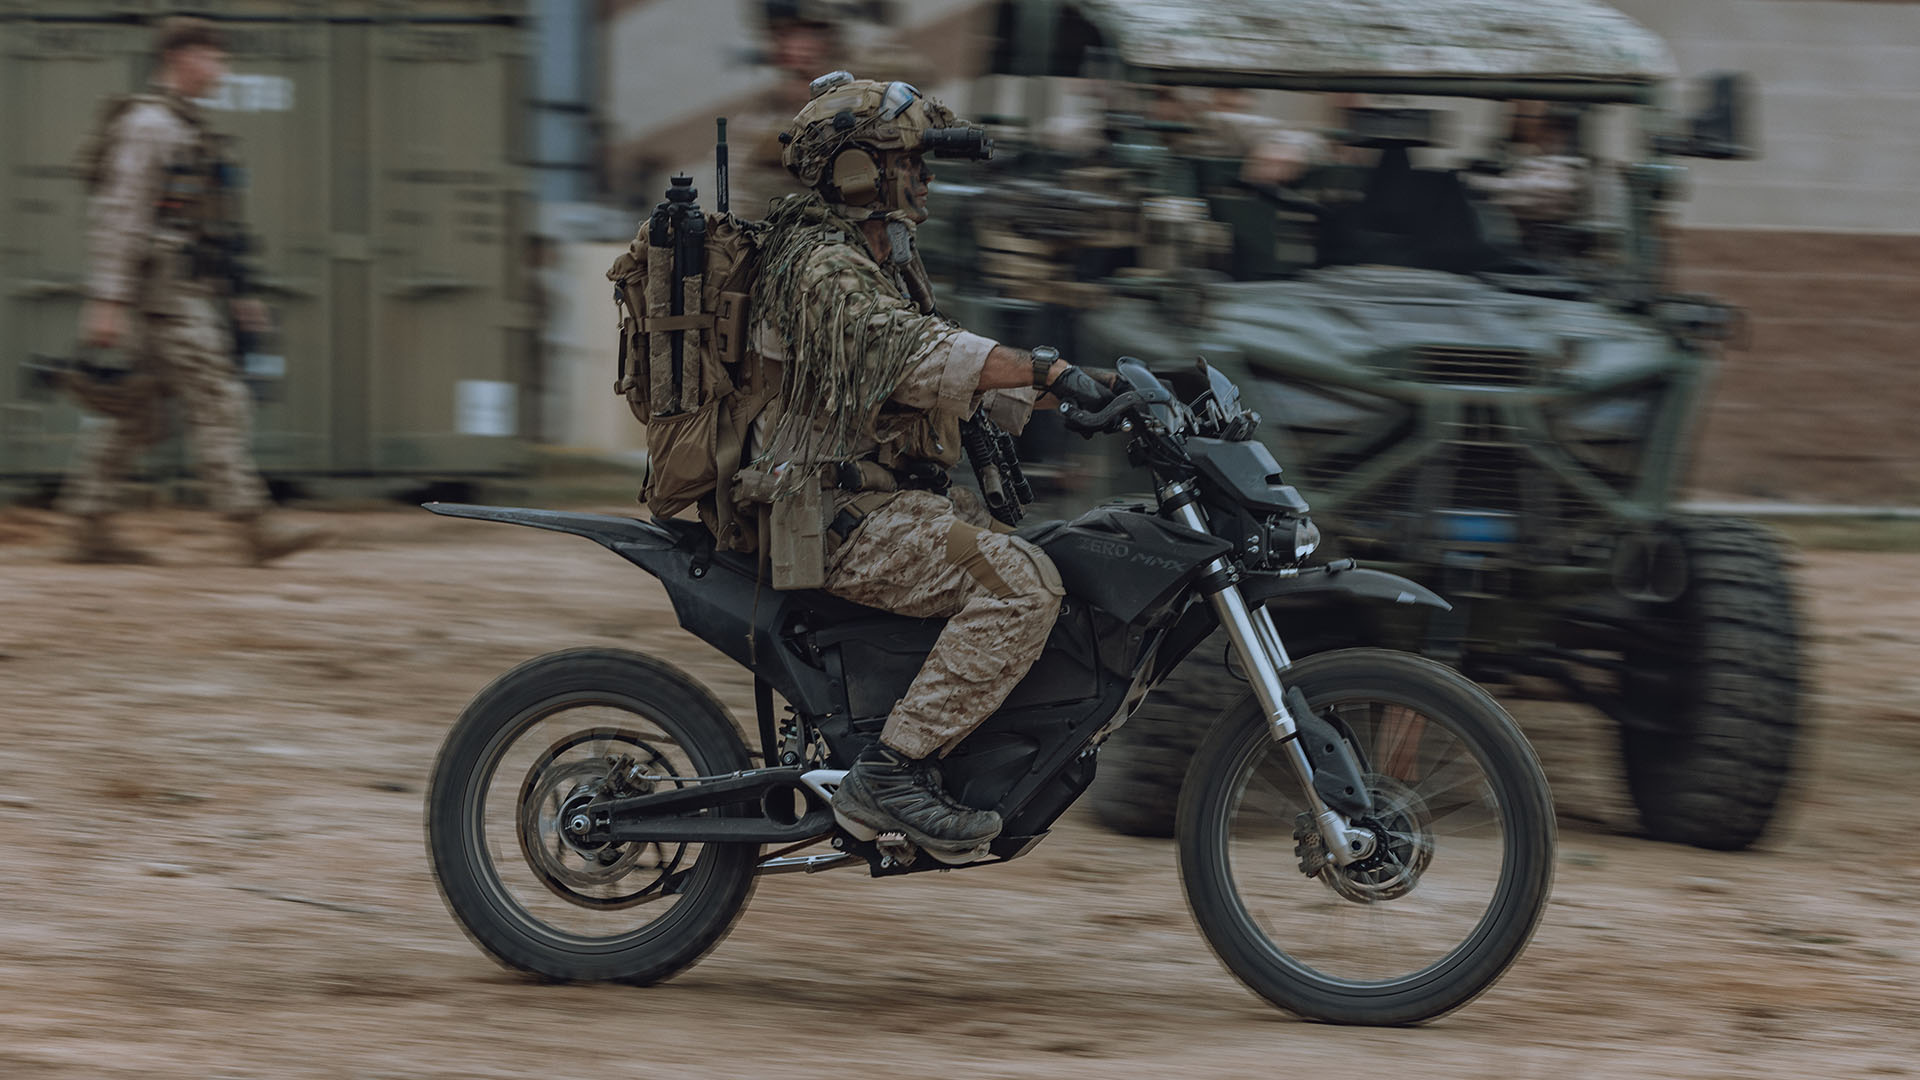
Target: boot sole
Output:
[(952, 856)]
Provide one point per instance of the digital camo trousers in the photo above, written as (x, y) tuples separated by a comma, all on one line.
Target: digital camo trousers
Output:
[(920, 555), (188, 352)]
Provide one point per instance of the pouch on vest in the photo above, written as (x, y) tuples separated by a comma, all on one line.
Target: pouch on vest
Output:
[(797, 544), (684, 367)]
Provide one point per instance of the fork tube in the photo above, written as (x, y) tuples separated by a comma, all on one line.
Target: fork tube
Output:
[(1263, 662), (1263, 622)]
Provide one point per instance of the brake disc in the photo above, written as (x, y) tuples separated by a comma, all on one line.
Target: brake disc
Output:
[(590, 874), (1402, 851)]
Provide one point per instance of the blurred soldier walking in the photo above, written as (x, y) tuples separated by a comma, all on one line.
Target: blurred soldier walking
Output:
[(163, 254)]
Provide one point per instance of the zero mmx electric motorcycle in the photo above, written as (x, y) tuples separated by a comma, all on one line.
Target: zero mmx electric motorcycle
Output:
[(1364, 837)]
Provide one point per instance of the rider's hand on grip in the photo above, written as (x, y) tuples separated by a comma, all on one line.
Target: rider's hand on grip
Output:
[(1077, 388)]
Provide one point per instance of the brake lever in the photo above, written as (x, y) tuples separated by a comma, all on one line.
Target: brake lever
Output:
[(1089, 424)]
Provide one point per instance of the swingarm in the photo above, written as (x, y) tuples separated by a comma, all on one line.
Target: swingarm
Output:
[(690, 814)]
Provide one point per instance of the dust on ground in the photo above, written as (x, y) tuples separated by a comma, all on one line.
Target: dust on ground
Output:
[(214, 867)]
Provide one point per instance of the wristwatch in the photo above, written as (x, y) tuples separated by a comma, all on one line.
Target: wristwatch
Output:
[(1044, 357)]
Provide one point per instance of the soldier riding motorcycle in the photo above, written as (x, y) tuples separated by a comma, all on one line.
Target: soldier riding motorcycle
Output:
[(1366, 836)]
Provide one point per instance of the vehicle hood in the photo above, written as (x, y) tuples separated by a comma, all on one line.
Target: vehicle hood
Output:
[(1358, 325)]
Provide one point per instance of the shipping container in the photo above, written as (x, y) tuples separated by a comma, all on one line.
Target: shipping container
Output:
[(383, 145)]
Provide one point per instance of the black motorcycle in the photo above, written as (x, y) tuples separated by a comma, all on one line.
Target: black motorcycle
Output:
[(1364, 837)]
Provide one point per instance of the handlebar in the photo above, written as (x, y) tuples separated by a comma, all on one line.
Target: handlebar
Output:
[(1109, 419), (1145, 398)]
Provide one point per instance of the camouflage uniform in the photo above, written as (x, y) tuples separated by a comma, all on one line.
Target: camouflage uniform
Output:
[(914, 552), (178, 333), (1258, 141), (1537, 187)]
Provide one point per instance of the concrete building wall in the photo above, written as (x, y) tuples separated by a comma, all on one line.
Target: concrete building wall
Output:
[(1838, 87), (1818, 242)]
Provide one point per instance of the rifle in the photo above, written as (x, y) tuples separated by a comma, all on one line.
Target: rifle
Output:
[(996, 463)]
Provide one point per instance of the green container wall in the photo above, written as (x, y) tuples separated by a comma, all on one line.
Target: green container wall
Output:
[(50, 79), (381, 142)]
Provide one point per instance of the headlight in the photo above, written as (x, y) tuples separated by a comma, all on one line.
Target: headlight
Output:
[(1608, 420), (1306, 537), (1607, 435), (1282, 535)]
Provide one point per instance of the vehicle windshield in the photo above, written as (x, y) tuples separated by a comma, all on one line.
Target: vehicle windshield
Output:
[(1519, 187)]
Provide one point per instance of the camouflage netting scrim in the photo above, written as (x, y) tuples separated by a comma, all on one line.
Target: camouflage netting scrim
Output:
[(1574, 39), (849, 333)]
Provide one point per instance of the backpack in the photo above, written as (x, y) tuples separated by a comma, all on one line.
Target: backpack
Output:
[(691, 376)]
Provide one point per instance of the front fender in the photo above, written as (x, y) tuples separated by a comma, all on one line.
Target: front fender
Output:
[(1262, 588)]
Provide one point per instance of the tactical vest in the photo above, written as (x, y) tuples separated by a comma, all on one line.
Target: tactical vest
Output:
[(197, 197)]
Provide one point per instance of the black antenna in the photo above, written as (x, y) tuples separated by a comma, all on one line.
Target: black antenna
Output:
[(720, 167)]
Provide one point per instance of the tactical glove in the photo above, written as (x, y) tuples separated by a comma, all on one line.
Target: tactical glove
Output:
[(1076, 387)]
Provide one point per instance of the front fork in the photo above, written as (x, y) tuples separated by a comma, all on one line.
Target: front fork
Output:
[(1257, 642)]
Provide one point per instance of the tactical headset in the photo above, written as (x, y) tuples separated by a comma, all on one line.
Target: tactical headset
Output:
[(849, 137)]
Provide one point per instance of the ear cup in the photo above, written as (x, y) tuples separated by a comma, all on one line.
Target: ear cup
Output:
[(857, 176)]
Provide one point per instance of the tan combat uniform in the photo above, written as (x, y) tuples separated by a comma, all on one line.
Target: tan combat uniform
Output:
[(1538, 188), (142, 256), (917, 553)]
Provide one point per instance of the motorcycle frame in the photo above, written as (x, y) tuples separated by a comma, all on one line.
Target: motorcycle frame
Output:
[(792, 643)]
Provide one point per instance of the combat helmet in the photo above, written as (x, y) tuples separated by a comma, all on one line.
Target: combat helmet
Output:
[(838, 142)]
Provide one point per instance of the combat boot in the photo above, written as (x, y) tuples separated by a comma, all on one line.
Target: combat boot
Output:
[(886, 791), (263, 541), (93, 541)]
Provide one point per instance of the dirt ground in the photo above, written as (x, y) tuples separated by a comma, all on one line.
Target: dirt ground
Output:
[(211, 850)]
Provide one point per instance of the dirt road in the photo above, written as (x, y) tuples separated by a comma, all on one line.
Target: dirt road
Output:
[(211, 865)]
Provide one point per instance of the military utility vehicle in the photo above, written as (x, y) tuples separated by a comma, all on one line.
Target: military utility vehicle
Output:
[(1493, 400)]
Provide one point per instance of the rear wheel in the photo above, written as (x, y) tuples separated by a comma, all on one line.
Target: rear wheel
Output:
[(1718, 700), (544, 738), (1463, 859)]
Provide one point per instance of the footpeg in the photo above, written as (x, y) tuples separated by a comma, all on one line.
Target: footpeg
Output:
[(895, 849)]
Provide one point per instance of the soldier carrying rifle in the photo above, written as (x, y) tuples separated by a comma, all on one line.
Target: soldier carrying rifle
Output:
[(165, 258)]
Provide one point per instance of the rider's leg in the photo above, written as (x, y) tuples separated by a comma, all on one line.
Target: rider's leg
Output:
[(916, 556)]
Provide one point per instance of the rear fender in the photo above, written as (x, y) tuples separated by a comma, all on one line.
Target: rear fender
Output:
[(724, 607), (642, 543)]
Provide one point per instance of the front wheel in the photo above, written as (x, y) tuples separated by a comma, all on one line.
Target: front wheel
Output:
[(1462, 864), (543, 740)]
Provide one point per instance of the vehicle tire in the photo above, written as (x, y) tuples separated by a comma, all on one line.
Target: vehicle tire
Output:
[(527, 897), (1721, 692), (1136, 791), (1464, 824)]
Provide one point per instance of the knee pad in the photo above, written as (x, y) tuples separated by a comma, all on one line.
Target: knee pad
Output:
[(1008, 567), (1047, 574)]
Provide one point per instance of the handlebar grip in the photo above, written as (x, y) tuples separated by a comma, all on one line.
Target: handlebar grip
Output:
[(1077, 420), (1107, 419)]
